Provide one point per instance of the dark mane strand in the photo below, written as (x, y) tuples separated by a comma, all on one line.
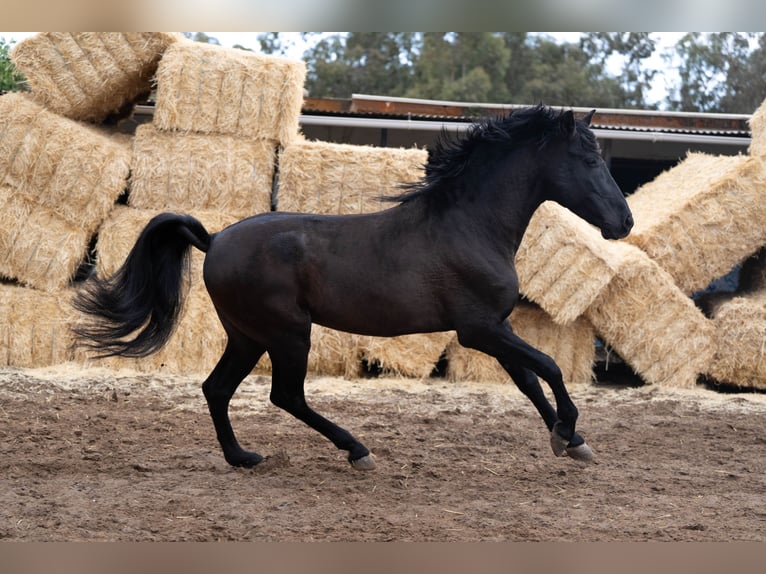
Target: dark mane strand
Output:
[(451, 154)]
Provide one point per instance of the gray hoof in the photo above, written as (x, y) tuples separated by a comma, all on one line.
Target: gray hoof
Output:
[(558, 444), (364, 463), (582, 452)]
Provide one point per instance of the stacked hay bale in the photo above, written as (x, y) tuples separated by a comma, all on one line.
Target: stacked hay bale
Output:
[(210, 151), (60, 177), (702, 217), (740, 335), (569, 270), (59, 182), (221, 114), (90, 75)]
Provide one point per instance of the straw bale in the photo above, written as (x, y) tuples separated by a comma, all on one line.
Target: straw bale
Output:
[(60, 164), (563, 263), (34, 327), (758, 132), (571, 346), (37, 247), (651, 324), (321, 177), (407, 355), (701, 217), (740, 334), (211, 89), (186, 171), (90, 75)]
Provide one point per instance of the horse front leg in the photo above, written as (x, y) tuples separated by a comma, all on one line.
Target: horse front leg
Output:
[(528, 384), (523, 362)]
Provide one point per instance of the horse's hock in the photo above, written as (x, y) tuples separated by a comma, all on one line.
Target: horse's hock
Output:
[(226, 123)]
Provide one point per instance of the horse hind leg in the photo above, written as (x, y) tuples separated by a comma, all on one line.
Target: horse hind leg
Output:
[(233, 366), (289, 364)]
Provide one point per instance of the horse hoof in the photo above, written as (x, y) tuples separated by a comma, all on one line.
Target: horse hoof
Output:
[(558, 444), (581, 452), (364, 463)]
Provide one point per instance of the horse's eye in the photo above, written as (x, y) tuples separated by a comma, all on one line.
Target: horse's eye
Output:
[(591, 162)]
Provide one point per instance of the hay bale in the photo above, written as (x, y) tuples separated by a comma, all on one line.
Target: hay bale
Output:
[(571, 346), (34, 327), (651, 324), (58, 163), (758, 132), (209, 89), (321, 177), (702, 217), (189, 172), (90, 75), (740, 336), (407, 355), (38, 248), (563, 263), (567, 268)]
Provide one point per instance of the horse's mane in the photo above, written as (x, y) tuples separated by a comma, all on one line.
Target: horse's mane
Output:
[(449, 156)]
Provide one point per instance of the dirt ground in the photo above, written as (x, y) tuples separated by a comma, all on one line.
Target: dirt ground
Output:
[(91, 455)]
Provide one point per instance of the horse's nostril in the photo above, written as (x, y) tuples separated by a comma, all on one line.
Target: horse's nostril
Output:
[(629, 221)]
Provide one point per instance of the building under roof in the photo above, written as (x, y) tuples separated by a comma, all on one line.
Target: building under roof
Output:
[(637, 144)]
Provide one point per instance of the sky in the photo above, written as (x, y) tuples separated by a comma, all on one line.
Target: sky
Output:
[(665, 41)]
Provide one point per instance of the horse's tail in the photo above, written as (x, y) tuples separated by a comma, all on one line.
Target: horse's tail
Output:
[(146, 293)]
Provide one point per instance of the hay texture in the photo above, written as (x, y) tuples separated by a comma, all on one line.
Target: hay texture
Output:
[(701, 217), (58, 181), (651, 324), (758, 132), (740, 334), (413, 356), (563, 263), (571, 346), (321, 177), (209, 89), (90, 75), (190, 172), (567, 268), (34, 327)]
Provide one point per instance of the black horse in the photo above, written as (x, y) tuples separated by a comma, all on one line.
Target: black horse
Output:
[(441, 259)]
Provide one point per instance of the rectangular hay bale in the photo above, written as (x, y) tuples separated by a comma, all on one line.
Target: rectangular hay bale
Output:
[(210, 89), (740, 337), (563, 263), (34, 327), (701, 217), (331, 178), (37, 247), (187, 171), (571, 346), (89, 75), (651, 324), (59, 163)]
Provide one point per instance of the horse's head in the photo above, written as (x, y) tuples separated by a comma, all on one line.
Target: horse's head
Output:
[(576, 177)]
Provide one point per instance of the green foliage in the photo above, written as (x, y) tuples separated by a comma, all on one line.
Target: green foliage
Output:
[(721, 72), (10, 78)]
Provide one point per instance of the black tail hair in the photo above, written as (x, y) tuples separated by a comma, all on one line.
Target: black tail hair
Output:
[(146, 293)]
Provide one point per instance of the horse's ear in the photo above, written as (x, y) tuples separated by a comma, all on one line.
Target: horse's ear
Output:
[(589, 117), (568, 123)]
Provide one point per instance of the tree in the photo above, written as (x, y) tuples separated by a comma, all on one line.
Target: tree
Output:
[(368, 62), (720, 72), (10, 78)]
